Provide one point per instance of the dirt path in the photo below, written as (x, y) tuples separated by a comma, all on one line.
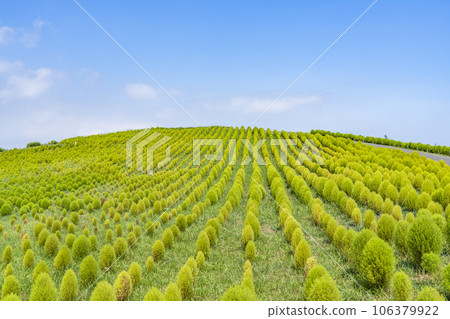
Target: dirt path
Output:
[(432, 156)]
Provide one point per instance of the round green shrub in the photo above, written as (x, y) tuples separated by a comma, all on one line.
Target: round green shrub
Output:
[(70, 239), (135, 272), (339, 236), (10, 286), (68, 290), (107, 256), (402, 287), (172, 293), (431, 263), (11, 297), (9, 270), (212, 235), (43, 235), (26, 244), (43, 289), (7, 254), (181, 222), (315, 273), (28, 259), (81, 247), (358, 244), (399, 236), (302, 253), (123, 286), (185, 282), (253, 221), (423, 236), (324, 289), (446, 279), (154, 294), (332, 225), (200, 259), (369, 217), (103, 292), (40, 268), (167, 238), (120, 246), (149, 263), (297, 236), (386, 226), (203, 244), (88, 270), (250, 250), (51, 245), (377, 262), (347, 242), (247, 235), (429, 294), (109, 236), (63, 259), (158, 250)]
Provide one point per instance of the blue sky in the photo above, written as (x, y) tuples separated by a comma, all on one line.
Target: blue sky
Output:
[(225, 62)]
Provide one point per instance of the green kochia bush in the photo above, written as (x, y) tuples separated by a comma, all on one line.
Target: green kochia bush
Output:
[(377, 262), (167, 238), (10, 286), (402, 287), (41, 267), (7, 254), (107, 257), (88, 270), (120, 246), (302, 253), (203, 243), (319, 286), (135, 273), (429, 294), (158, 250), (51, 245), (185, 282), (123, 286), (69, 286), (103, 292), (172, 293), (386, 226), (28, 259), (81, 247), (43, 289), (423, 236), (63, 259), (431, 263), (358, 244), (247, 235), (154, 294), (446, 279), (400, 231)]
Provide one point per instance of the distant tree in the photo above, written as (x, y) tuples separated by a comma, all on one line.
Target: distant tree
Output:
[(2, 150), (52, 143), (33, 144)]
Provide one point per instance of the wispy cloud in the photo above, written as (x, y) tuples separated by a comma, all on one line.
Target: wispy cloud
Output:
[(23, 83), (253, 104), (29, 37), (141, 91), (6, 35)]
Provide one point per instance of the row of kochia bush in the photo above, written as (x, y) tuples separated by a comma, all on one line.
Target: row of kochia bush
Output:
[(82, 245), (385, 141), (405, 172), (387, 224), (183, 288), (380, 190), (372, 256)]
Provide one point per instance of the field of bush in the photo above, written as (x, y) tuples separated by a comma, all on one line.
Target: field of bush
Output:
[(273, 216)]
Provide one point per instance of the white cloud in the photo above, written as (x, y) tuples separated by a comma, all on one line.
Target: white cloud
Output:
[(6, 35), (257, 104), (22, 83), (88, 76), (28, 37), (140, 91)]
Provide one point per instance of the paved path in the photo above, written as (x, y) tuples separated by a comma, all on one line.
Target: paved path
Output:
[(432, 156)]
